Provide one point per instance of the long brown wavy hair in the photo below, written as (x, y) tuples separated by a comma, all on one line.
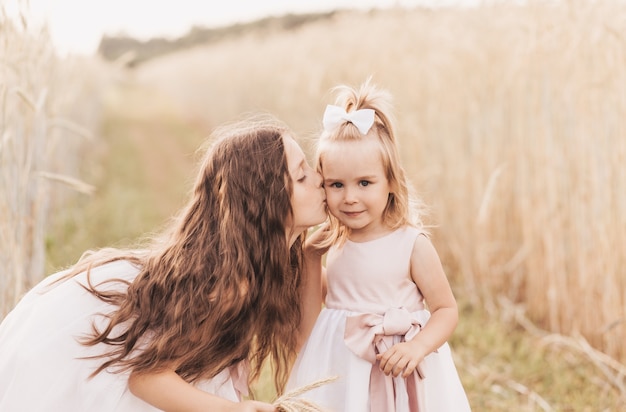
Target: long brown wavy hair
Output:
[(221, 285)]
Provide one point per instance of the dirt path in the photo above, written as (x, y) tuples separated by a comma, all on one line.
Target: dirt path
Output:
[(161, 141), (142, 171)]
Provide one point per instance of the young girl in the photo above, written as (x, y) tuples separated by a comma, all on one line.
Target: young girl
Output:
[(375, 332), (175, 326)]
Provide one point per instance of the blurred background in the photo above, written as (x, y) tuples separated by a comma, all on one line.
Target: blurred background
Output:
[(512, 124)]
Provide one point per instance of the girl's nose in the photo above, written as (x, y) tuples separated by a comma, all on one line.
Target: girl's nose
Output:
[(349, 196)]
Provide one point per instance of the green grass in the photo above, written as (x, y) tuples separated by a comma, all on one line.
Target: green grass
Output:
[(504, 367)]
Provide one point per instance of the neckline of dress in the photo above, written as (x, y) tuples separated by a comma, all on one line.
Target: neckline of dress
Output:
[(376, 239)]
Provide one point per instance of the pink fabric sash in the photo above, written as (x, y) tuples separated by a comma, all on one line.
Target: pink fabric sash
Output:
[(369, 334)]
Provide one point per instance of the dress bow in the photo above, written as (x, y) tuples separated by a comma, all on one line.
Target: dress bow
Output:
[(369, 334)]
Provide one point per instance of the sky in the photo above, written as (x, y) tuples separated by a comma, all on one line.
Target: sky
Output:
[(76, 26)]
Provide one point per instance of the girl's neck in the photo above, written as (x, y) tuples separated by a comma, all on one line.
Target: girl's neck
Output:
[(361, 236)]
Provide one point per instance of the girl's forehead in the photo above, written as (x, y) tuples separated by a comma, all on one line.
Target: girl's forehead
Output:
[(351, 149), (352, 159)]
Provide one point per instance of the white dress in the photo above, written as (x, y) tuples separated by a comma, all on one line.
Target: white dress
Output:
[(40, 365), (372, 303)]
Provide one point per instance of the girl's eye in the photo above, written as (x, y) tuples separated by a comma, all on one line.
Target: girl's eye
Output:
[(302, 179), (364, 183), (336, 185)]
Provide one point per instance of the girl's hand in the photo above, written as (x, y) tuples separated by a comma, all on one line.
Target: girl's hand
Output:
[(401, 359)]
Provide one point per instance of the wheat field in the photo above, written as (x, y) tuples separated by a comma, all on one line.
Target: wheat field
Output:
[(512, 121)]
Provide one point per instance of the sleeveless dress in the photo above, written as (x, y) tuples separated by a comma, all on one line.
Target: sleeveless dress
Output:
[(40, 365), (371, 304)]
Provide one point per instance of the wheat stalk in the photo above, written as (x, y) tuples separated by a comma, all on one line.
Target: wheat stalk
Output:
[(72, 182), (289, 402)]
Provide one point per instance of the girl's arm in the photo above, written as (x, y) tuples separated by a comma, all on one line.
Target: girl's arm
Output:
[(167, 391), (429, 276), (313, 283)]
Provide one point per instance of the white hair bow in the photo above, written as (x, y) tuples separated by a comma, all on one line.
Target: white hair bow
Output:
[(335, 116)]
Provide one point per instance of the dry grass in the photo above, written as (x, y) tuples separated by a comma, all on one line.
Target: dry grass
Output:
[(41, 102), (292, 401)]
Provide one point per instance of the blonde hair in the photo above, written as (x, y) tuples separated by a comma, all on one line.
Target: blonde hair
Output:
[(221, 285), (403, 207)]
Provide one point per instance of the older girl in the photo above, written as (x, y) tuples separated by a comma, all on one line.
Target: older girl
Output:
[(178, 325)]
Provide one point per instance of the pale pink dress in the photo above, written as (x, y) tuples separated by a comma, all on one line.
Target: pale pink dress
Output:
[(40, 365), (371, 304)]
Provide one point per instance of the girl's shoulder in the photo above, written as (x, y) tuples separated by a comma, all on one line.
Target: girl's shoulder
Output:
[(412, 232), (419, 239)]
